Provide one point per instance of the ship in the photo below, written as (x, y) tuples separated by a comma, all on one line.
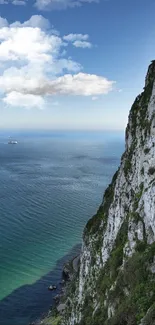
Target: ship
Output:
[(12, 142)]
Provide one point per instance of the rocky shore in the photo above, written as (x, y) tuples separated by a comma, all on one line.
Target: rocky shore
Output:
[(115, 283), (70, 270)]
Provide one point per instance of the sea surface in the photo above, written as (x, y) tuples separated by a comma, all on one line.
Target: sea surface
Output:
[(51, 183)]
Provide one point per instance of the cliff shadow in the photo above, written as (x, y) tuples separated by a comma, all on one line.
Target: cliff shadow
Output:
[(30, 302)]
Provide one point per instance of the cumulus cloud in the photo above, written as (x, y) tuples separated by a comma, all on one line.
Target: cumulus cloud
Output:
[(35, 65), (3, 22), (79, 84), (27, 101), (76, 37), (60, 4), (82, 44), (27, 43), (78, 40), (35, 21)]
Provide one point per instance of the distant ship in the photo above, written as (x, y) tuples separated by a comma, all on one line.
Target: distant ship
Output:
[(12, 142)]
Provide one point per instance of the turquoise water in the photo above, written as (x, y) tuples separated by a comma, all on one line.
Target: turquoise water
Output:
[(50, 185)]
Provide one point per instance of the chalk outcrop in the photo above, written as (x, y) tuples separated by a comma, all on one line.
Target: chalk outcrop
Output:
[(116, 281)]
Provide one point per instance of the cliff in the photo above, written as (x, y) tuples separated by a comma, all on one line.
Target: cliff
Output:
[(116, 280)]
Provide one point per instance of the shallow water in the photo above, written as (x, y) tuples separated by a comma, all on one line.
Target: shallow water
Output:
[(50, 185)]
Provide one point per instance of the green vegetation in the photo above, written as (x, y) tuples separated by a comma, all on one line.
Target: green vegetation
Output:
[(133, 117), (127, 166), (128, 157), (53, 318), (109, 194), (135, 278), (150, 316), (141, 286), (126, 284), (137, 196), (94, 223), (138, 117)]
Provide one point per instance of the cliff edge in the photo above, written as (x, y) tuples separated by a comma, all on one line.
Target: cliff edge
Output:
[(116, 280)]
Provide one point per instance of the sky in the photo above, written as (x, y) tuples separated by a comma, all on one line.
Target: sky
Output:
[(73, 64)]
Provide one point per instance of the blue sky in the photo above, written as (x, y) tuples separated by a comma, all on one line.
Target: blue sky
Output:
[(67, 64)]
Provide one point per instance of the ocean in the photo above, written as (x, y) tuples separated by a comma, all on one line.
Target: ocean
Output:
[(51, 183)]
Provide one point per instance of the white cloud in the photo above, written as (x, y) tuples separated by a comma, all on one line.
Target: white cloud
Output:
[(76, 85), (33, 64), (3, 22), (66, 65), (60, 4), (35, 21), (14, 2), (27, 43), (79, 84), (49, 4), (78, 40), (82, 44), (76, 37), (19, 2), (27, 101)]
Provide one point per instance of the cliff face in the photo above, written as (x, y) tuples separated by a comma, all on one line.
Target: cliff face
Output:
[(116, 281)]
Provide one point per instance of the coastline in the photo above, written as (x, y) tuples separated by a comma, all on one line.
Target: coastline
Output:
[(69, 270), (31, 303)]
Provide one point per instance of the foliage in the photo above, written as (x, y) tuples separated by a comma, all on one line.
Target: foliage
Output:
[(138, 196), (149, 319), (94, 223), (52, 320), (126, 284), (127, 166), (138, 117), (140, 246), (113, 282)]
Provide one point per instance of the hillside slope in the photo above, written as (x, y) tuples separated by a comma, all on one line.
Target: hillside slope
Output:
[(116, 280)]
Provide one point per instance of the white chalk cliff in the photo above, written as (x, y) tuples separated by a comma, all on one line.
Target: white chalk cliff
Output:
[(116, 280)]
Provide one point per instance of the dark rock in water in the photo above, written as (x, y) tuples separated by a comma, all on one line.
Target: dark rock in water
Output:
[(52, 288)]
